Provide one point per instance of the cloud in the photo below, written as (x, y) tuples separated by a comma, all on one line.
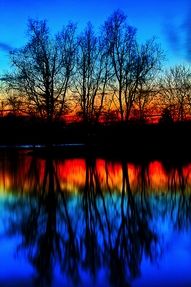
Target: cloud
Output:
[(5, 47), (178, 35), (173, 38), (186, 29)]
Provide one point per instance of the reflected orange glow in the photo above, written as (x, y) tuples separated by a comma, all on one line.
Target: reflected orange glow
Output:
[(110, 175), (157, 176), (5, 182), (74, 174)]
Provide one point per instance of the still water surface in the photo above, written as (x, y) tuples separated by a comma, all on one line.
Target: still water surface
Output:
[(93, 222)]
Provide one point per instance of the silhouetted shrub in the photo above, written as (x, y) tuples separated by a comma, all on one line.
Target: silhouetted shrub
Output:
[(166, 117)]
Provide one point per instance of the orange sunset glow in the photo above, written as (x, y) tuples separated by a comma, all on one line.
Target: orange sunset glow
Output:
[(74, 174)]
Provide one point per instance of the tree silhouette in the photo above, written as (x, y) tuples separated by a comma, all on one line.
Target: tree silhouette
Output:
[(175, 89), (133, 64), (90, 81), (166, 117), (43, 69), (90, 75)]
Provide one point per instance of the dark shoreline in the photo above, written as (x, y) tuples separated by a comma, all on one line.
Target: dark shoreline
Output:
[(138, 141), (110, 153)]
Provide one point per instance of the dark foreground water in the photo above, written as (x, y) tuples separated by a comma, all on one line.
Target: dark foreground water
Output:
[(94, 222)]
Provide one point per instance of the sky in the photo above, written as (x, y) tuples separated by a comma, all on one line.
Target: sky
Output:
[(169, 21)]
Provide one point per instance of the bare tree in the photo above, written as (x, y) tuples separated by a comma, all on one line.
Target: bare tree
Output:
[(91, 75), (100, 73), (43, 69), (176, 91), (3, 102), (146, 100), (133, 64), (14, 104)]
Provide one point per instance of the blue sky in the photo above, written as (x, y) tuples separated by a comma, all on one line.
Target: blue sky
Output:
[(168, 20)]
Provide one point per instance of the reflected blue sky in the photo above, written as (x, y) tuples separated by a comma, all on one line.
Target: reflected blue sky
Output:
[(102, 235), (173, 268), (168, 21), (168, 266)]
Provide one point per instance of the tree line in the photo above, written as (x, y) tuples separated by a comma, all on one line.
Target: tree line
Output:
[(94, 76)]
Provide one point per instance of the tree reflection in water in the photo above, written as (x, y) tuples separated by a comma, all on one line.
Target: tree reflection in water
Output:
[(95, 228), (179, 203)]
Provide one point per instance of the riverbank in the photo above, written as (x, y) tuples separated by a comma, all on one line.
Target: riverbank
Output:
[(130, 140), (117, 140)]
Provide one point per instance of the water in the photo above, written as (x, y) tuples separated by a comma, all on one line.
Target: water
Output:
[(93, 222)]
